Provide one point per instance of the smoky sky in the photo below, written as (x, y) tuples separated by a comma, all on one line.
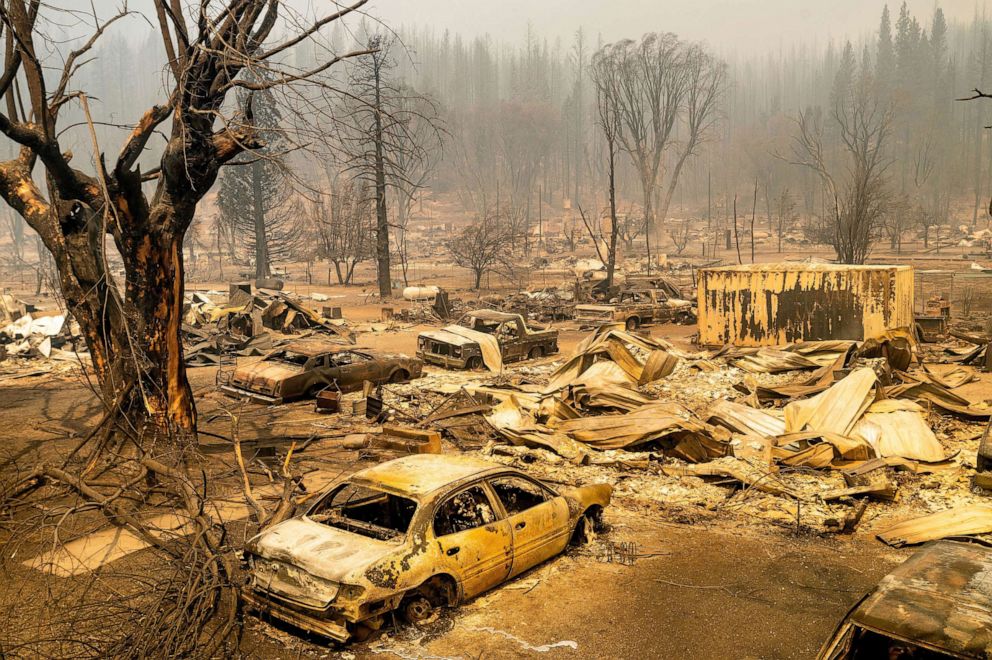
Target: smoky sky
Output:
[(730, 26)]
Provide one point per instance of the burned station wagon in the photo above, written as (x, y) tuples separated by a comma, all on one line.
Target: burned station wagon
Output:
[(411, 535), (464, 345), (302, 368)]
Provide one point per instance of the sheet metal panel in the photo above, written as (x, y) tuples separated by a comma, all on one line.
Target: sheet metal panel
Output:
[(775, 304)]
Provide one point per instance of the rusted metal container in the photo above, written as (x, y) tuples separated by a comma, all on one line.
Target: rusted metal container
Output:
[(774, 304)]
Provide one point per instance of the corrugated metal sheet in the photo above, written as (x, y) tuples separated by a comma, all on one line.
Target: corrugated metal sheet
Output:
[(774, 304)]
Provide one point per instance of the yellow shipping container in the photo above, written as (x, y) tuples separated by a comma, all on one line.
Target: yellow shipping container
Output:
[(774, 304)]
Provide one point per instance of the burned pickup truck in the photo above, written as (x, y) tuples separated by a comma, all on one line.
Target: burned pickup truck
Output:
[(300, 369), (485, 338), (637, 307)]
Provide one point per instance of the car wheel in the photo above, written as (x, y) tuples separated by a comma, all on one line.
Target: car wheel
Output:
[(475, 363), (399, 376), (536, 353), (632, 323), (590, 524), (315, 390), (416, 609)]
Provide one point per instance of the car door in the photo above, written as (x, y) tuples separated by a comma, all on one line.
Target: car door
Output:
[(474, 539), (510, 343), (538, 519), (663, 313), (346, 371), (369, 368)]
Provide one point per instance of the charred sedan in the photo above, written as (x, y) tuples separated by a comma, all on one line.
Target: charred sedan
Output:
[(411, 535), (301, 369), (937, 604)]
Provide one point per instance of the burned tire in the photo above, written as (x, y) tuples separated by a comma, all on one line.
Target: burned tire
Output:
[(419, 605), (474, 363), (590, 523), (633, 323), (416, 609), (684, 318), (536, 353), (399, 376), (315, 389)]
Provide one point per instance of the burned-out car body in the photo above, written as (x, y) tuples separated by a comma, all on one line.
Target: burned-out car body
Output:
[(411, 534), (303, 368), (637, 307), (936, 604), (460, 346)]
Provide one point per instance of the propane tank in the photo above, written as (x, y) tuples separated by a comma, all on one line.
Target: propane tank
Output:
[(421, 293)]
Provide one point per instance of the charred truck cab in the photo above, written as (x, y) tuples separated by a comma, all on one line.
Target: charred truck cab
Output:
[(460, 346)]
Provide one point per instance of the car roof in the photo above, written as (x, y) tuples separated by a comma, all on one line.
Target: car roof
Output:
[(421, 474), (941, 596), (491, 315), (314, 347)]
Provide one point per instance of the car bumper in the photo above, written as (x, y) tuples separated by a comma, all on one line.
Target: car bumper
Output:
[(443, 360), (254, 397), (335, 629)]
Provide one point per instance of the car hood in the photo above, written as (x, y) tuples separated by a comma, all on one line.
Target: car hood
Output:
[(321, 550), (447, 338), (264, 375)]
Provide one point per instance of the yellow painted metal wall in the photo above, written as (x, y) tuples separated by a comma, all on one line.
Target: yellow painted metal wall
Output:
[(774, 304)]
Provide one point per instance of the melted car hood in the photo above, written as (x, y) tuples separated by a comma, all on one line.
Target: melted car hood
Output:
[(266, 373), (447, 337), (321, 550)]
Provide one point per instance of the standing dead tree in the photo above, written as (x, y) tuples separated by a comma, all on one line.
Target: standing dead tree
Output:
[(608, 120), (343, 222), (853, 174), (667, 94), (389, 135), (255, 199), (415, 164), (487, 245)]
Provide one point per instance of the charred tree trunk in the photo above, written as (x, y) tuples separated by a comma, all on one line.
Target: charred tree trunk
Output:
[(611, 255), (262, 267), (648, 225), (381, 214)]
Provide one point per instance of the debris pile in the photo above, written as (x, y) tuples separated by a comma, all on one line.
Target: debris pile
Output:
[(242, 327), (808, 434), (26, 332)]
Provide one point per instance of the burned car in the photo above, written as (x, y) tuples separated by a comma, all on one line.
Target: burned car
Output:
[(411, 535), (506, 336), (937, 604), (302, 368), (637, 307)]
